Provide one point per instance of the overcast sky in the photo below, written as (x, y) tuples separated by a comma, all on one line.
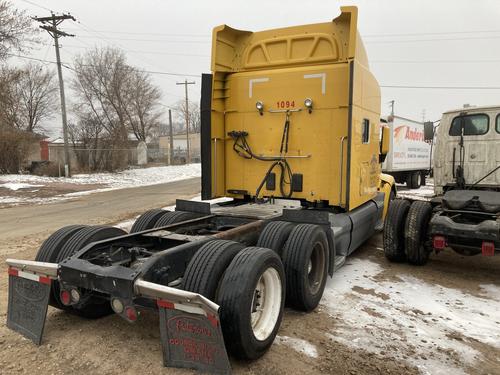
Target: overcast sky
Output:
[(409, 43)]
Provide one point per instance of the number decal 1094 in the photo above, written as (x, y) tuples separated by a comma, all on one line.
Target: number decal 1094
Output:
[(285, 104)]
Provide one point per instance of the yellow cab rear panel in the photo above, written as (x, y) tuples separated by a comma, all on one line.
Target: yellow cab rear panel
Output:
[(333, 147)]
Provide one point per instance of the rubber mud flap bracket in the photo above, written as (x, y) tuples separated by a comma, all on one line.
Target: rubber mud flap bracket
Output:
[(192, 341), (27, 306)]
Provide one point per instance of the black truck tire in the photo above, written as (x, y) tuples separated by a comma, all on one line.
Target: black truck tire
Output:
[(49, 252), (422, 179), (94, 308), (174, 217), (306, 259), (274, 235), (409, 180), (417, 222), (254, 279), (53, 244), (147, 220), (393, 236), (414, 179), (206, 268)]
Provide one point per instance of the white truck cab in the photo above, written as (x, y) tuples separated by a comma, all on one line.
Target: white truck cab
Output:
[(464, 215), (467, 149)]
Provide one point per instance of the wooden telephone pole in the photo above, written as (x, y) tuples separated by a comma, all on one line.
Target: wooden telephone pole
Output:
[(50, 25), (186, 83), (171, 138)]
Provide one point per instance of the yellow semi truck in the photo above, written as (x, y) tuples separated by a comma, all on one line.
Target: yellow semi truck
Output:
[(290, 131)]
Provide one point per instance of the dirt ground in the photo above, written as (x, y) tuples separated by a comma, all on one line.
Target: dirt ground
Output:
[(72, 345), (110, 345)]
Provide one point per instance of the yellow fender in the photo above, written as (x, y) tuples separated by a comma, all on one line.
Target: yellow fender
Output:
[(387, 184)]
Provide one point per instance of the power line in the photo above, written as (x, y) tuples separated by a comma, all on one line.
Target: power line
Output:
[(363, 35), (433, 61), (140, 51), (67, 65), (154, 34), (81, 24), (442, 87), (430, 33), (430, 40), (384, 86), (36, 5), (153, 40), (30, 58)]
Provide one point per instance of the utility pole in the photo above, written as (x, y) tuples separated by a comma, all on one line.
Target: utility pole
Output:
[(186, 83), (50, 25), (171, 137)]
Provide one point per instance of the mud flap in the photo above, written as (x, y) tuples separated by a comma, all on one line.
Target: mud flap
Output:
[(28, 302), (192, 340)]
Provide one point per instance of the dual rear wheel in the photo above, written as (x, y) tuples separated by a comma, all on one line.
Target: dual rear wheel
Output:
[(252, 284), (66, 242), (249, 285), (405, 235)]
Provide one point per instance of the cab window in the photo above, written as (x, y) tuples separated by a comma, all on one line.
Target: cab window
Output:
[(365, 136), (476, 124), (498, 123)]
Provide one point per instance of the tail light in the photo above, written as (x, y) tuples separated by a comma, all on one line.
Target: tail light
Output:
[(488, 249), (131, 313), (439, 242), (65, 297)]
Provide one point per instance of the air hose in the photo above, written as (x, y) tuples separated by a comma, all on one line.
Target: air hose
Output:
[(243, 149)]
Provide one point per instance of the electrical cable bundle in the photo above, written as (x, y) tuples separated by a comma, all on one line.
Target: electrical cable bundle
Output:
[(243, 149)]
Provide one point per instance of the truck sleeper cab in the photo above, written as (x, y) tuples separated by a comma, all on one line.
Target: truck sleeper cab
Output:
[(289, 133)]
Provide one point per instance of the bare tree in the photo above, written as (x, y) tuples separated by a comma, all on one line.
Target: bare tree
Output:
[(8, 101), (120, 97), (34, 97), (142, 106), (194, 115), (16, 29), (99, 77)]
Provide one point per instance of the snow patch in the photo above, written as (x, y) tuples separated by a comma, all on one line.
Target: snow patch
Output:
[(111, 181), (299, 345), (409, 318), (16, 186), (491, 291)]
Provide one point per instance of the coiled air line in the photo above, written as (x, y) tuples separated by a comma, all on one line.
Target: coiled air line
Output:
[(243, 149)]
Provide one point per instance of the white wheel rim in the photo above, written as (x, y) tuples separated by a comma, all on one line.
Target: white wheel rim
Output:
[(266, 304)]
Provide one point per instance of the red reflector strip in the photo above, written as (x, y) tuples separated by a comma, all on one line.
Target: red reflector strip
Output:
[(28, 275), (488, 249), (13, 272), (44, 280), (165, 304)]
